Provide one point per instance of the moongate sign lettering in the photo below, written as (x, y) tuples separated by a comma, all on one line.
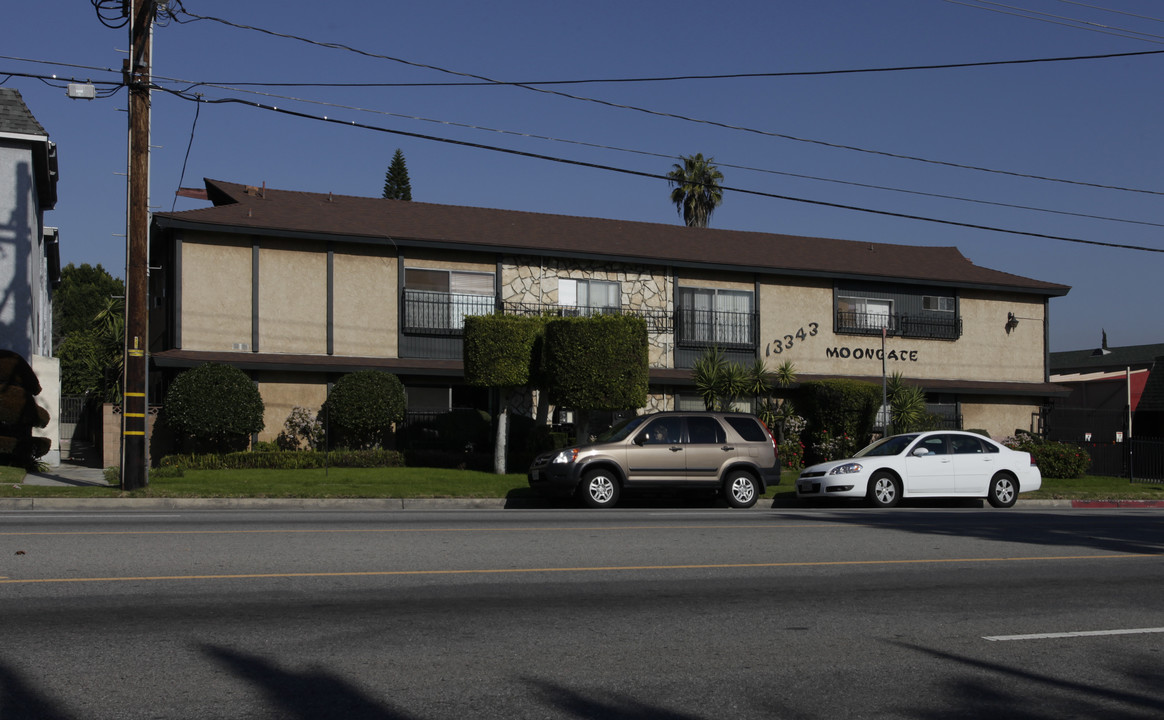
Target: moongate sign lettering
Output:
[(846, 353)]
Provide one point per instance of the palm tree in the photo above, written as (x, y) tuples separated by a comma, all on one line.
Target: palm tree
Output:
[(695, 188)]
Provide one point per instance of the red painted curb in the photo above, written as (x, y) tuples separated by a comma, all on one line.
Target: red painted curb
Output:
[(1117, 503)]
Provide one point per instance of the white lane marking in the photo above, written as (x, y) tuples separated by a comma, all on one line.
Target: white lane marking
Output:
[(1083, 633)]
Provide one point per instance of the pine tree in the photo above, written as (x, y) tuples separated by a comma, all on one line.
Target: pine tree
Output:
[(396, 184)]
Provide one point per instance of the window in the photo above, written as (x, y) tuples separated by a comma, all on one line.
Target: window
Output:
[(664, 431), (705, 431), (589, 297), (864, 314), (936, 444), (748, 429), (437, 301), (709, 316), (938, 303)]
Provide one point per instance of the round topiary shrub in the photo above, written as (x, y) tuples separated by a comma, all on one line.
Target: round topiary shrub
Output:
[(216, 407), (362, 409)]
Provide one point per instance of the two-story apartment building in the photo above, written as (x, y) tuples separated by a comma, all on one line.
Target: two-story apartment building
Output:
[(298, 288)]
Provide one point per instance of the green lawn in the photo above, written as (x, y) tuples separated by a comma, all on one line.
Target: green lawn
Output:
[(439, 483)]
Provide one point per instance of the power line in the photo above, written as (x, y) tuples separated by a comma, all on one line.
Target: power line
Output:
[(656, 113), (674, 78), (648, 153), (1060, 20), (1112, 10), (656, 176), (534, 136)]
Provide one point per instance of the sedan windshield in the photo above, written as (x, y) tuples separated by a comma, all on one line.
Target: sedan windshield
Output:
[(894, 445)]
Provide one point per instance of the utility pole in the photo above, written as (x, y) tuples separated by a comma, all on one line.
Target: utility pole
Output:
[(134, 404)]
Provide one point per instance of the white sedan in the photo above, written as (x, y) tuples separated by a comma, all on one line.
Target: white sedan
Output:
[(927, 464)]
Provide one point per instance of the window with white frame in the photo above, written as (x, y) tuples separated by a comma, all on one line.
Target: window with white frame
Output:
[(859, 313), (938, 303), (589, 297), (439, 300), (713, 316)]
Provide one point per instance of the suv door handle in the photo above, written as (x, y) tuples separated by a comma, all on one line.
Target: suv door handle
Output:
[(676, 448), (727, 448)]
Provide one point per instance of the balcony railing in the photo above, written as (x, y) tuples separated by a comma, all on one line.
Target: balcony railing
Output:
[(707, 328), (858, 323), (658, 321), (428, 312), (935, 328)]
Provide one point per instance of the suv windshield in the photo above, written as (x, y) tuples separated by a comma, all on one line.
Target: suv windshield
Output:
[(894, 445)]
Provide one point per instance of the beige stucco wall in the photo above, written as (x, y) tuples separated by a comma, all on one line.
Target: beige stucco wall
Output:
[(998, 416), (365, 317), (696, 279), (281, 392), (450, 261), (796, 324), (292, 297), (216, 292)]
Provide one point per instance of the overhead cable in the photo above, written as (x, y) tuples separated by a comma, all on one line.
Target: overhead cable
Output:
[(657, 176), (837, 146)]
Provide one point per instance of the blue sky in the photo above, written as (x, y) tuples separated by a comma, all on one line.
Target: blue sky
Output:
[(1087, 121)]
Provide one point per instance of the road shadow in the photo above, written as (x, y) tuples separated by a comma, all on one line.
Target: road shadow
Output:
[(1138, 533), (306, 695), (614, 707), (19, 700), (985, 689)]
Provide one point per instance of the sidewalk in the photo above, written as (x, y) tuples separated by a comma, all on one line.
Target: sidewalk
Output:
[(79, 475), (67, 473)]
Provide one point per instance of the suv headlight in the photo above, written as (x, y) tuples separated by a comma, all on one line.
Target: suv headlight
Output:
[(566, 456), (846, 469)]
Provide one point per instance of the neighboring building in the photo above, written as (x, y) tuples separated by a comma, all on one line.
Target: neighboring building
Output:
[(298, 288), (30, 266), (1108, 385)]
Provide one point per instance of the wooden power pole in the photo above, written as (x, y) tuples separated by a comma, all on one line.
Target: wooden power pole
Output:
[(134, 405)]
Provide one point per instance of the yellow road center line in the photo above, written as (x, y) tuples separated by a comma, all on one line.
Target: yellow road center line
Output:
[(606, 568)]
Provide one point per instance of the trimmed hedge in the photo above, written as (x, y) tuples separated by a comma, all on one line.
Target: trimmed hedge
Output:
[(215, 405), (597, 363), (499, 349), (362, 408), (838, 408), (1055, 459), (283, 460)]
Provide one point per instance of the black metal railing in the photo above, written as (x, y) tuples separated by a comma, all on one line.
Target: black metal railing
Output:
[(428, 312), (658, 321), (707, 328), (859, 323), (935, 328)]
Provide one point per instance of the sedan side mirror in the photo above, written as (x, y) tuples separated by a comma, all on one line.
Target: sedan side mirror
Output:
[(920, 452)]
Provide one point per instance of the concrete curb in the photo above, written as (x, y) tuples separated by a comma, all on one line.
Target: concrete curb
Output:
[(154, 504)]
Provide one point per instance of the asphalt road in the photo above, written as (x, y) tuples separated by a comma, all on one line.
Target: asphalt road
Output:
[(675, 613)]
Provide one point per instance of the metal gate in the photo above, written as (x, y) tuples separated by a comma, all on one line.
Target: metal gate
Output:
[(1140, 460)]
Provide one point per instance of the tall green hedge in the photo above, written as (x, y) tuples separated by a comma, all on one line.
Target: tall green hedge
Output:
[(217, 406), (597, 363), (839, 407), (499, 349)]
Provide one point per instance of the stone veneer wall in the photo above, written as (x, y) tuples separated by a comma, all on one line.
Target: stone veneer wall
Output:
[(534, 282)]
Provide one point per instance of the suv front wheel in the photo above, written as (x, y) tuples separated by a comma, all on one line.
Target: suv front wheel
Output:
[(740, 490), (599, 489)]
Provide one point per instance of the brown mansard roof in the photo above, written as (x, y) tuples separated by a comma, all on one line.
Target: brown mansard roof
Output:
[(266, 211)]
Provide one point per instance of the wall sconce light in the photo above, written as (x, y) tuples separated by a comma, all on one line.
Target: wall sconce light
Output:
[(1011, 322)]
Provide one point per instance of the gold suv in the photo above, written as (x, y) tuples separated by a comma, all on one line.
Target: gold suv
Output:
[(734, 453)]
